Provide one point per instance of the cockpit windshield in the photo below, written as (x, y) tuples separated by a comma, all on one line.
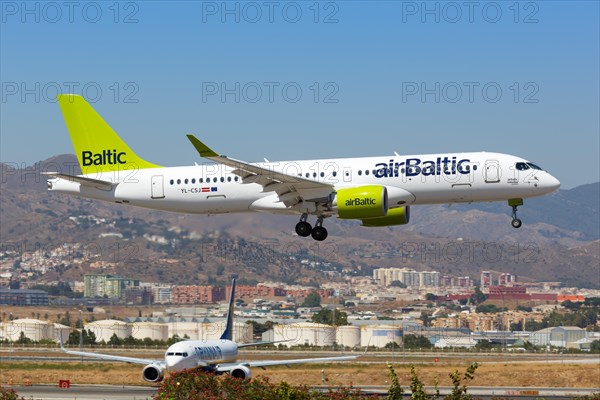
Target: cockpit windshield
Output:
[(534, 166), (522, 166)]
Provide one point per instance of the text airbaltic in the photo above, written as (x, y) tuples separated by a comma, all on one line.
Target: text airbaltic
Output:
[(360, 202), (414, 167)]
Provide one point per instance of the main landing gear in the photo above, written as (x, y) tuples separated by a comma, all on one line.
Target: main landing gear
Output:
[(515, 203), (304, 228)]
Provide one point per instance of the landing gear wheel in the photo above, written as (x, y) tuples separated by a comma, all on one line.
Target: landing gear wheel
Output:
[(515, 203), (303, 229), (319, 233)]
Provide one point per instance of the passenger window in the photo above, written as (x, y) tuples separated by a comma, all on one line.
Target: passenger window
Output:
[(222, 179), (322, 174), (171, 181), (200, 180), (359, 172), (186, 181), (215, 180), (236, 178), (179, 181), (193, 180), (228, 179), (334, 173)]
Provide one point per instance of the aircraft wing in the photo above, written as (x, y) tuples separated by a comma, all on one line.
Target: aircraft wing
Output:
[(291, 189), (271, 363), (110, 357), (82, 180)]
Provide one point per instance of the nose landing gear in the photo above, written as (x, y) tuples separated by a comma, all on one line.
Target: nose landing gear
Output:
[(304, 229), (515, 203)]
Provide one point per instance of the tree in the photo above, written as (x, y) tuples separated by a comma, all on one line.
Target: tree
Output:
[(483, 345), (478, 297), (595, 346), (416, 342), (425, 318), (330, 317), (516, 326), (431, 297), (115, 340), (312, 300)]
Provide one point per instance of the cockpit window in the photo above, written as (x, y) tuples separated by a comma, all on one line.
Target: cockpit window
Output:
[(532, 165), (170, 353), (521, 166), (185, 354)]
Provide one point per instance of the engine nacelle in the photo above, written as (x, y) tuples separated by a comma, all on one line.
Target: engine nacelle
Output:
[(241, 372), (153, 373), (362, 202), (395, 216)]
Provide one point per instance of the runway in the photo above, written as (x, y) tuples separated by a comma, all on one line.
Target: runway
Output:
[(108, 392)]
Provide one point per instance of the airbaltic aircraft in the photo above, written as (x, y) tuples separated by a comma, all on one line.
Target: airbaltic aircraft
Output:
[(375, 190), (211, 355)]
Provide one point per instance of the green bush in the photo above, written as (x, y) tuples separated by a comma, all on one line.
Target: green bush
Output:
[(197, 384)]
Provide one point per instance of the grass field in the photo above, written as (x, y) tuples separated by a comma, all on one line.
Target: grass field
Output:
[(538, 374)]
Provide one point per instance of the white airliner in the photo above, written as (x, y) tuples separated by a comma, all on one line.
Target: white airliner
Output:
[(210, 355), (375, 190)]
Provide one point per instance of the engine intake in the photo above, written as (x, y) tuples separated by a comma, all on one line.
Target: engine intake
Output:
[(362, 202), (153, 373), (241, 372)]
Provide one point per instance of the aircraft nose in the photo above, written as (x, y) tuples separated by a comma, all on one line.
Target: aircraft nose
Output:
[(551, 183)]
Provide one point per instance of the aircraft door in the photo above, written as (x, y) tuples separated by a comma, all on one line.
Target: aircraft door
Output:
[(492, 171), (347, 174), (158, 189)]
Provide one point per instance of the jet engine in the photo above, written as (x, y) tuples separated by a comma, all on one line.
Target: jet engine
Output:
[(240, 372), (153, 373), (362, 202)]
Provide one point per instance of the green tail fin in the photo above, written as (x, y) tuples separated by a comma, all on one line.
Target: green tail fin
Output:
[(97, 145)]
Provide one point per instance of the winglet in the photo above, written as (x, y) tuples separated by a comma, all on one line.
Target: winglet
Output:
[(62, 345), (202, 149), (228, 332)]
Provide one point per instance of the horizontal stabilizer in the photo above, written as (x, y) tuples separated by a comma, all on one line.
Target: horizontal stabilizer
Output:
[(82, 180)]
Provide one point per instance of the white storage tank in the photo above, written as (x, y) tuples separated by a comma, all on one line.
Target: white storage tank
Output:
[(106, 328), (33, 329), (305, 333), (61, 332), (380, 335), (348, 335), (181, 329), (152, 330)]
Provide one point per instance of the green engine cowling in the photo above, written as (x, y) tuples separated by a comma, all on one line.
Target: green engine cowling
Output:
[(362, 202), (395, 216)]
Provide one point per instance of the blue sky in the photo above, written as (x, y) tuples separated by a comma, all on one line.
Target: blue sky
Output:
[(298, 80)]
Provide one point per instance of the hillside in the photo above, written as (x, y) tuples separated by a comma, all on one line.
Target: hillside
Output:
[(559, 240)]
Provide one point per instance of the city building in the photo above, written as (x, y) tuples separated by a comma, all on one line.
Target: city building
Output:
[(23, 297)]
